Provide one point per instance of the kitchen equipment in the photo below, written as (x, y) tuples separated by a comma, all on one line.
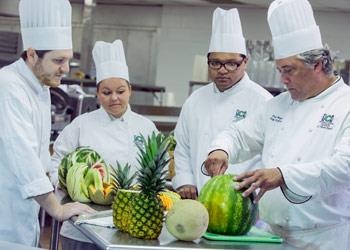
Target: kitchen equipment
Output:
[(68, 102)]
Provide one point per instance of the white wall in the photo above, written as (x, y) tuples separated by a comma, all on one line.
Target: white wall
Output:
[(185, 32), (180, 33)]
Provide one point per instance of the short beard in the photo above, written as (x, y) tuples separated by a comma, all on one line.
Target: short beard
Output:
[(43, 78)]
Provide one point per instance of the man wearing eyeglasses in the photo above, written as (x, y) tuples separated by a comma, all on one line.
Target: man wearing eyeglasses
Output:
[(231, 96), (304, 136)]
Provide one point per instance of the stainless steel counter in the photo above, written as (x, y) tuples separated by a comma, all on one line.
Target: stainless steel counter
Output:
[(107, 238)]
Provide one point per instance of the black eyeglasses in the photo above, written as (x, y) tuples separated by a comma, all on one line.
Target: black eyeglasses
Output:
[(229, 65)]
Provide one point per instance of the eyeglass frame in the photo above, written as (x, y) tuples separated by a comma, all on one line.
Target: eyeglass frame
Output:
[(238, 64)]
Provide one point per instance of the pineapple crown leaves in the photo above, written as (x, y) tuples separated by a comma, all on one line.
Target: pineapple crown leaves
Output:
[(153, 158), (121, 176), (172, 141)]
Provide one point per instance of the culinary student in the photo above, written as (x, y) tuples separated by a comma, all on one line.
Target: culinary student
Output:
[(230, 97), (113, 130), (25, 121)]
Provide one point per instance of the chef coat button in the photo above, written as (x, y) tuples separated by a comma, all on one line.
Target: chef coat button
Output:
[(322, 106), (310, 130), (298, 159), (287, 218), (282, 128)]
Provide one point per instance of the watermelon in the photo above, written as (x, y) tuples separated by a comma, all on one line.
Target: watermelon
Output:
[(229, 212), (80, 155)]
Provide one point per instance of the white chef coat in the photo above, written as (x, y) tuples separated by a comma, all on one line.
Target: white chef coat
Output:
[(114, 139), (310, 142), (206, 113), (25, 121)]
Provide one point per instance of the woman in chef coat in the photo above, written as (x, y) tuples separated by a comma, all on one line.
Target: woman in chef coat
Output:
[(112, 131)]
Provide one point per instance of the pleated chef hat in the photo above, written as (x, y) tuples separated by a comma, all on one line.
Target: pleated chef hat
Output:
[(293, 28), (227, 35), (46, 24), (110, 60)]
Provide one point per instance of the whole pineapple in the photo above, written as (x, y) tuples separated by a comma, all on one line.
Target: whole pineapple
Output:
[(147, 211), (120, 205)]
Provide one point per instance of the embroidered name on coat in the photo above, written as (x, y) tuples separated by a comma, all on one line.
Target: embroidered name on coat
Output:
[(276, 118)]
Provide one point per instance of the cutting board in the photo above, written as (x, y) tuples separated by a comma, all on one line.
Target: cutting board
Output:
[(254, 235)]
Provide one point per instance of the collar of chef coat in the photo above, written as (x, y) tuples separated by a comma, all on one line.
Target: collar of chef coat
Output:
[(30, 78), (109, 118), (337, 84), (234, 89)]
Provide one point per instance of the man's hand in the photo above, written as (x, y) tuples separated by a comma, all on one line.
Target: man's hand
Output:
[(74, 208), (216, 163), (61, 212), (188, 192), (263, 179)]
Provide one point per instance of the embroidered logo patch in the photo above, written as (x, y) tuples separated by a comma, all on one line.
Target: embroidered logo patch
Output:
[(240, 114), (276, 118), (138, 141), (326, 121)]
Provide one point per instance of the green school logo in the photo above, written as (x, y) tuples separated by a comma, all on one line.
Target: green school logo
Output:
[(326, 121), (240, 114), (138, 141)]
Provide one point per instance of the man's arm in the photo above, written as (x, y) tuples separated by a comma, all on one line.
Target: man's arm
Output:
[(304, 181), (61, 212), (239, 142)]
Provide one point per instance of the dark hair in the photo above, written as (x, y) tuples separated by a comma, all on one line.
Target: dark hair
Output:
[(40, 54), (98, 85), (243, 56)]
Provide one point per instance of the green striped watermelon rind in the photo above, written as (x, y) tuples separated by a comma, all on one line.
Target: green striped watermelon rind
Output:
[(80, 155), (229, 212)]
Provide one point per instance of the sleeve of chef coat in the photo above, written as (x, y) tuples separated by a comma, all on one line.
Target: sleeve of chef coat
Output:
[(19, 144), (182, 157), (324, 177), (66, 142), (242, 140)]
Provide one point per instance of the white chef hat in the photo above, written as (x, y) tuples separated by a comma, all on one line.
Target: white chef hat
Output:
[(293, 28), (227, 35), (110, 60), (46, 24)]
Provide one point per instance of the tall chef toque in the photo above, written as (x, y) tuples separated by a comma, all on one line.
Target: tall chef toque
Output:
[(46, 24), (110, 60), (227, 35), (293, 28)]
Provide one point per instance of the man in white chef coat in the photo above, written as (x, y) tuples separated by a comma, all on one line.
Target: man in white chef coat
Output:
[(231, 96), (303, 136), (25, 120)]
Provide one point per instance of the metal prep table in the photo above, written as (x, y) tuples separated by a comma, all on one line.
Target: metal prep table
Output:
[(109, 238)]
